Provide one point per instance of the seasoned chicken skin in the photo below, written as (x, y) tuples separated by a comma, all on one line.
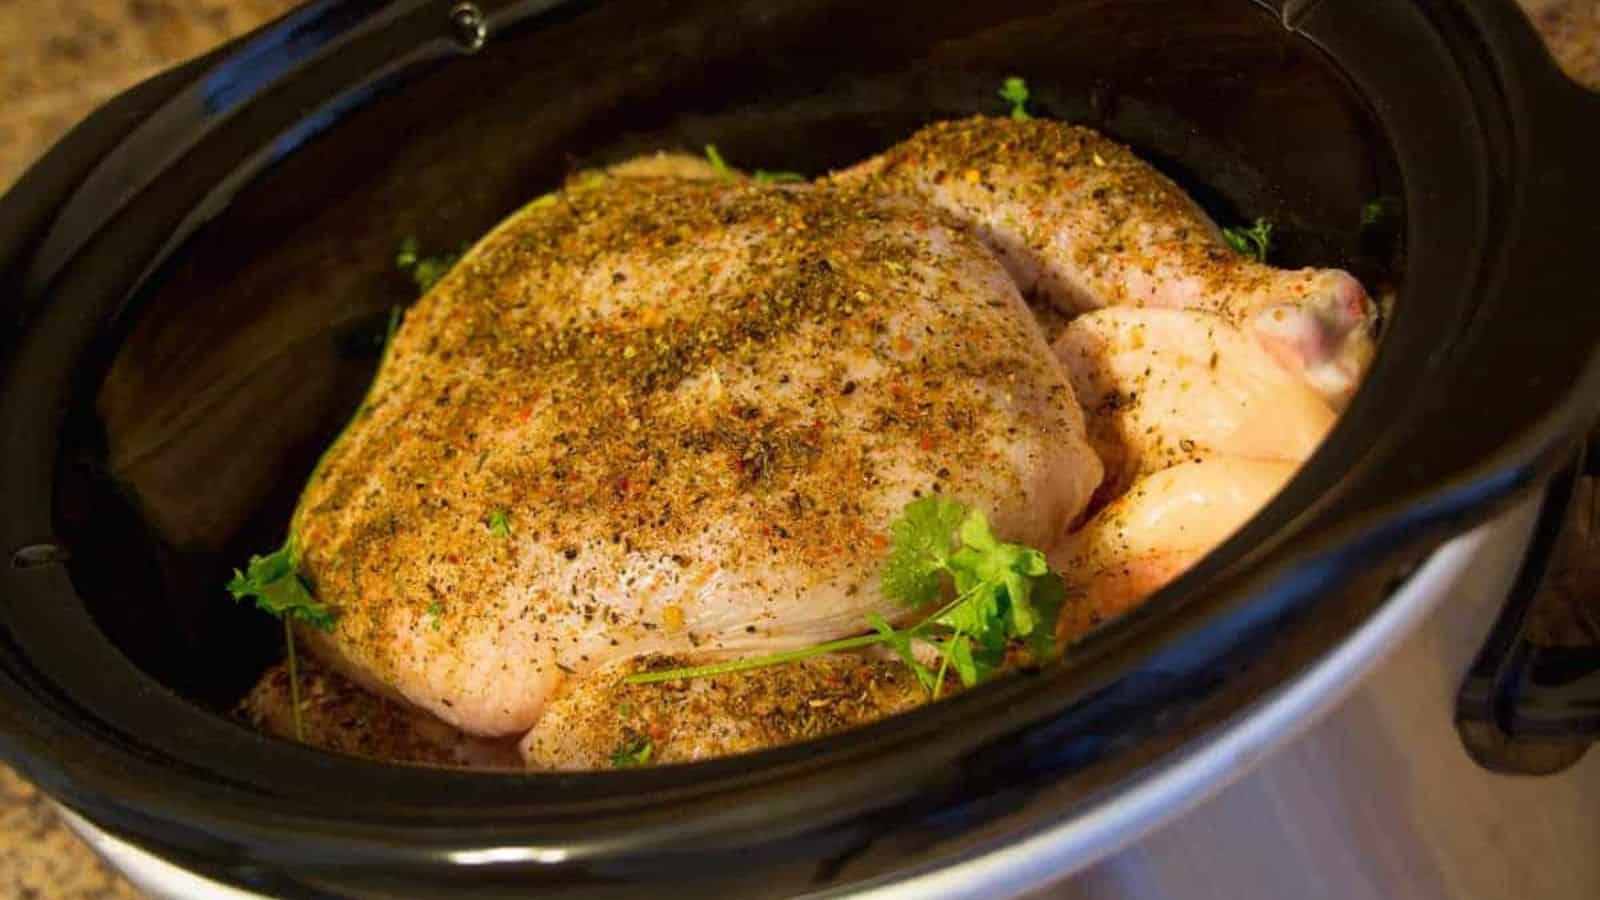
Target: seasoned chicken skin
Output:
[(704, 718), (337, 715), (595, 724), (675, 417), (1082, 220), (1164, 386), (1198, 428)]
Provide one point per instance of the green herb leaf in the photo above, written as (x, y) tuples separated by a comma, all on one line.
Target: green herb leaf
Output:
[(406, 257), (1015, 91), (434, 611), (724, 171), (982, 599), (1254, 241), (424, 270), (966, 666), (500, 523), (395, 315), (273, 584), (635, 751), (762, 176), (1049, 595), (921, 542), (590, 180), (754, 662), (900, 642), (271, 581), (1002, 577), (1379, 211)]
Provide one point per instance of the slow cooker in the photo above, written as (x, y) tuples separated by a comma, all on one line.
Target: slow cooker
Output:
[(197, 278)]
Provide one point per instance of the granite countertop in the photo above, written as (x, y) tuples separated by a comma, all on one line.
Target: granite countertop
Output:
[(59, 59)]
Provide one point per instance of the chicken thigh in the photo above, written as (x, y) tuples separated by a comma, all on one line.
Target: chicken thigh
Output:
[(1082, 220), (1164, 524), (1163, 386), (676, 417)]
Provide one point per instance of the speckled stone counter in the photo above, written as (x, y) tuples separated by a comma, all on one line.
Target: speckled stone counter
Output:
[(59, 59)]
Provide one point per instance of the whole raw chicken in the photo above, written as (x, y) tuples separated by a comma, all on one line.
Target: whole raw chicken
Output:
[(667, 416)]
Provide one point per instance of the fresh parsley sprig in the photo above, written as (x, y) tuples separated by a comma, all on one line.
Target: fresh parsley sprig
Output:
[(424, 270), (271, 581), (724, 171), (1255, 241), (277, 589), (760, 176), (1379, 211), (634, 752), (1014, 91), (1001, 593)]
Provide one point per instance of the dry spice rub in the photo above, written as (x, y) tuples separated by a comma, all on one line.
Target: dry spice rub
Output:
[(1082, 222), (666, 415)]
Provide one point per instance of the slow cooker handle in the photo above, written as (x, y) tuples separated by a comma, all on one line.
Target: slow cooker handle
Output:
[(1530, 704)]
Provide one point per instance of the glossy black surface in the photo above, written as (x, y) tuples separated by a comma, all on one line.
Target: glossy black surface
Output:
[(185, 328)]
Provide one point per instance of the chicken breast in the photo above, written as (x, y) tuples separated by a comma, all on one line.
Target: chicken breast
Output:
[(1164, 524), (601, 719), (1164, 386), (1085, 222), (671, 416)]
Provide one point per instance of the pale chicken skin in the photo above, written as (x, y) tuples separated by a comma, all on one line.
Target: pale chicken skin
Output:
[(674, 417), (1081, 220), (1150, 535), (1164, 386), (666, 416)]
